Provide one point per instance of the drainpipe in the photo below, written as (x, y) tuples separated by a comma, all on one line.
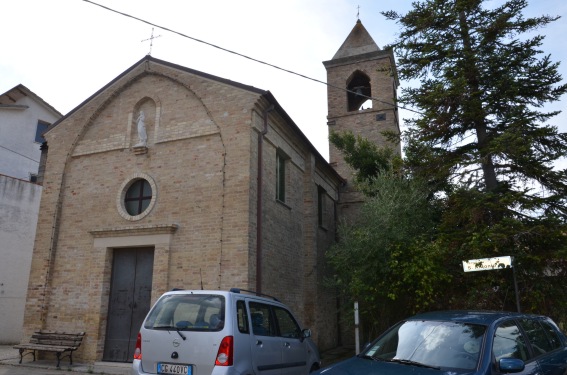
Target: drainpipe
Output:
[(259, 197)]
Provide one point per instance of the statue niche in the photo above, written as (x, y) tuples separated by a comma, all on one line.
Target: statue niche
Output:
[(143, 127)]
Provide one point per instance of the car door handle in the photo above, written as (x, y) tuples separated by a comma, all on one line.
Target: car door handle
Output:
[(258, 343), (287, 344)]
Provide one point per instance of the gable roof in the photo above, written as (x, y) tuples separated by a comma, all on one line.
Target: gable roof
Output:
[(149, 58), (359, 46), (266, 94), (10, 98), (358, 42)]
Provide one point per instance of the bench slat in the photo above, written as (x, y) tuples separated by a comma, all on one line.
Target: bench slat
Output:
[(48, 348), (55, 343), (60, 333), (56, 338)]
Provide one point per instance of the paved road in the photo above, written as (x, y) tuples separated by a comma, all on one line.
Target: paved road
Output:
[(9, 358), (49, 369), (25, 370)]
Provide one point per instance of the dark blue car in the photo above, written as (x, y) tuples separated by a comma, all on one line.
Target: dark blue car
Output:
[(463, 342)]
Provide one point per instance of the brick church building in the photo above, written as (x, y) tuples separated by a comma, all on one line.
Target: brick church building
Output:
[(169, 177)]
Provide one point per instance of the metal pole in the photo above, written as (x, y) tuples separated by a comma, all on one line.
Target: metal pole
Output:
[(356, 335), (516, 286)]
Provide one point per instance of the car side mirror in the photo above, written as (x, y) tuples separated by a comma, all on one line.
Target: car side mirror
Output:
[(511, 365), (305, 334)]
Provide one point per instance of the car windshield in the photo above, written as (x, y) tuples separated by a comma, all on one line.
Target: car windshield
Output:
[(187, 312), (430, 343)]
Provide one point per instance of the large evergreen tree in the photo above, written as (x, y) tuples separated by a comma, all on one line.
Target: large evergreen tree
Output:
[(483, 141), (481, 92)]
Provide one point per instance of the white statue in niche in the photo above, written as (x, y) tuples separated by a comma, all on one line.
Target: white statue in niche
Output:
[(142, 135)]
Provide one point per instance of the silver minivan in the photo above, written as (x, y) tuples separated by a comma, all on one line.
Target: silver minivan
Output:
[(206, 332)]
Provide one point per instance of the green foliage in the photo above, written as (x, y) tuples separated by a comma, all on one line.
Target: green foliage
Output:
[(480, 96), (362, 155), (478, 179), (389, 250), (483, 144), (536, 243), (419, 268)]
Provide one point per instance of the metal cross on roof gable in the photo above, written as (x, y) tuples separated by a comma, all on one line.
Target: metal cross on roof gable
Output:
[(151, 39)]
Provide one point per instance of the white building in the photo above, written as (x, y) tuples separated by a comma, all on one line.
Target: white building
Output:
[(23, 118), (19, 208)]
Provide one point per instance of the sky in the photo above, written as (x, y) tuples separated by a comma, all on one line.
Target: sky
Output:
[(66, 50)]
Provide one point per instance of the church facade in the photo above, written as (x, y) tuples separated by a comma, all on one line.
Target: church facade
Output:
[(167, 178)]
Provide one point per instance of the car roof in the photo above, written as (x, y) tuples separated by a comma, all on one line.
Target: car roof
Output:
[(469, 316), (234, 292)]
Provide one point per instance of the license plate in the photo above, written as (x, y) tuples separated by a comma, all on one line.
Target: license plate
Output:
[(172, 368)]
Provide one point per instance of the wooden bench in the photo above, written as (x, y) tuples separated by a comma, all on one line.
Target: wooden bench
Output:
[(52, 341)]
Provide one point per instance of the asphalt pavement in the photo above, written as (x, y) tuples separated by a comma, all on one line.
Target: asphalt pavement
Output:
[(9, 358)]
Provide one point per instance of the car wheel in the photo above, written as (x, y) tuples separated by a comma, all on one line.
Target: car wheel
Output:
[(314, 368)]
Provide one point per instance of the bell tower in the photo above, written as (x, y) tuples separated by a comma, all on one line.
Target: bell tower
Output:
[(361, 95)]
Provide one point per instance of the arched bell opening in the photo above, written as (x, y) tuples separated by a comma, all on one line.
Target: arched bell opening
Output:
[(359, 92)]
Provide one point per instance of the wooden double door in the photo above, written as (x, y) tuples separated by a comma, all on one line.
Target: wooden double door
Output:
[(130, 298)]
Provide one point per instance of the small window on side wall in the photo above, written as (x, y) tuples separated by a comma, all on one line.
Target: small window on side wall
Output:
[(281, 160), (322, 207), (39, 130)]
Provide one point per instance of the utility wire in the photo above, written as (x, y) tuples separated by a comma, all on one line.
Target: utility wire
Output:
[(262, 62), (248, 57), (27, 157), (270, 65)]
